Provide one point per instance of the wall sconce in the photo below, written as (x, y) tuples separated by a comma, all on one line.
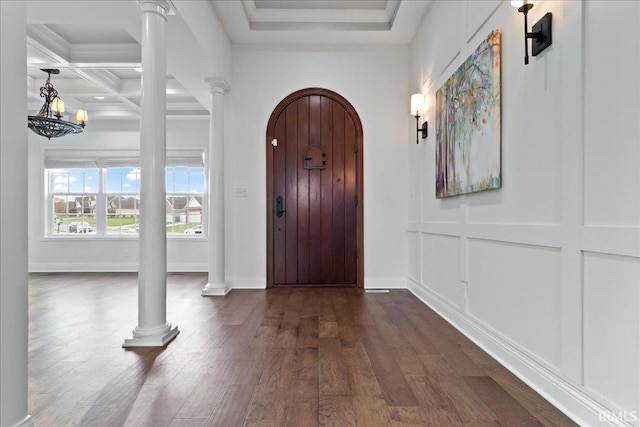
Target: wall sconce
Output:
[(541, 33), (417, 104)]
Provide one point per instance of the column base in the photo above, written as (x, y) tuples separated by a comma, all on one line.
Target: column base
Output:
[(26, 422), (218, 290), (140, 339)]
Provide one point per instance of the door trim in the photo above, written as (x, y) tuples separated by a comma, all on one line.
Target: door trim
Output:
[(359, 176)]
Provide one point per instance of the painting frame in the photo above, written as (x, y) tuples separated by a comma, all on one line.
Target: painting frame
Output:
[(468, 124)]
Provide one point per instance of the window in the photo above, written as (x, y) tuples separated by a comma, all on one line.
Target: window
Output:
[(104, 200), (185, 198), (122, 200), (74, 196)]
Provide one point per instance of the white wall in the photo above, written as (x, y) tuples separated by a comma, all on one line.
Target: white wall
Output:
[(13, 222), (374, 81), (194, 25), (610, 233), (87, 253), (545, 272)]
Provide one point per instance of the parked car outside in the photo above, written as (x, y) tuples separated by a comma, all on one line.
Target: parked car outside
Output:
[(80, 227), (194, 230)]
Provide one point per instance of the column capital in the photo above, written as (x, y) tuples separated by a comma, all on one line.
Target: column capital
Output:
[(218, 84), (161, 7)]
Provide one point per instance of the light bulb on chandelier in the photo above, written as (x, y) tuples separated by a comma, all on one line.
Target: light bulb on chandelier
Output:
[(48, 122)]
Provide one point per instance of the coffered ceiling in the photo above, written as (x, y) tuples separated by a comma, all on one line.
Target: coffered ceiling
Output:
[(99, 71), (96, 44)]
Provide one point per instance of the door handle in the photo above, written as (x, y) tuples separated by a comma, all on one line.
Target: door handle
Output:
[(279, 207)]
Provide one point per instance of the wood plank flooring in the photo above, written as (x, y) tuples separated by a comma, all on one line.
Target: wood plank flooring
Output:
[(280, 357)]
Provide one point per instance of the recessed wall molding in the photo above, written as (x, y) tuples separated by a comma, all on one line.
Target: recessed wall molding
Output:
[(484, 6), (493, 334), (525, 234), (622, 241), (446, 67), (562, 288)]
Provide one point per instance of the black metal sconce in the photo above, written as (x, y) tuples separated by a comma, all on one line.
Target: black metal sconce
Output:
[(541, 33), (417, 105)]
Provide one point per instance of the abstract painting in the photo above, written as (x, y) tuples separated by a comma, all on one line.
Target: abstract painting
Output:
[(468, 124)]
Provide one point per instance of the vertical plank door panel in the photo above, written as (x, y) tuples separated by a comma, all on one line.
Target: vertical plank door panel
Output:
[(338, 194), (315, 205), (315, 241), (303, 192), (326, 140), (350, 199), (290, 253)]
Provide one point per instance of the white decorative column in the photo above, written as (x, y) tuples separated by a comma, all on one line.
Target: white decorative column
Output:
[(15, 230), (153, 330), (216, 284)]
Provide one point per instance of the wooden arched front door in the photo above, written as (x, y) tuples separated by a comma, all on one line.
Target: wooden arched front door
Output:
[(314, 192)]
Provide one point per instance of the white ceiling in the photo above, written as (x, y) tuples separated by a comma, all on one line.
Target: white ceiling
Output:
[(97, 72), (320, 22), (98, 52)]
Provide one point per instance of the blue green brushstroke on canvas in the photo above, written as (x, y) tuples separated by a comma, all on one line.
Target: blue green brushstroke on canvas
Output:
[(468, 124)]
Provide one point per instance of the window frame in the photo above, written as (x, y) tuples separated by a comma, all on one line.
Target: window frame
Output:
[(67, 158), (188, 195)]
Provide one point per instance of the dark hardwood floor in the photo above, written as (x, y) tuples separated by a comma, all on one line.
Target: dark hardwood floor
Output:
[(294, 357)]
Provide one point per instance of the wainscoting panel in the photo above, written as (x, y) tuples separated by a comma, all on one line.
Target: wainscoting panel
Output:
[(547, 267), (413, 239), (612, 328), (515, 290), (440, 266), (611, 110)]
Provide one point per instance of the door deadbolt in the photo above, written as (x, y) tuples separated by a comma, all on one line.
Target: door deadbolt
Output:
[(279, 207)]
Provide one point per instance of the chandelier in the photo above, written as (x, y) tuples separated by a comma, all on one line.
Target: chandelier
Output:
[(44, 123)]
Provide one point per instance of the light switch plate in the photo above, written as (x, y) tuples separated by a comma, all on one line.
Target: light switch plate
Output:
[(241, 192)]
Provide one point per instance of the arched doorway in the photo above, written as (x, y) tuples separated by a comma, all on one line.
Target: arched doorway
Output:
[(315, 229)]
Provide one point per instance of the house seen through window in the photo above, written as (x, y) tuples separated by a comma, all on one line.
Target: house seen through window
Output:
[(105, 200)]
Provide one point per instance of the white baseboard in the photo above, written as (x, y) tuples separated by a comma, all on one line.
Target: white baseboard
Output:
[(110, 267), (571, 399), (385, 283), (234, 282), (247, 282)]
